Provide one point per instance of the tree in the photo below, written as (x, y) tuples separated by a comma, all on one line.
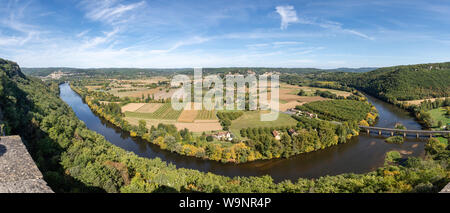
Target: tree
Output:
[(302, 93), (434, 146), (363, 123), (142, 128), (426, 118)]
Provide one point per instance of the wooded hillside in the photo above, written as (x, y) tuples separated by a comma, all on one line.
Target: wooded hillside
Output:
[(409, 82)]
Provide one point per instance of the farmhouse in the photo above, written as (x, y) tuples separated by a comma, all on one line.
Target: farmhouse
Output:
[(292, 132), (224, 136), (276, 134), (311, 115)]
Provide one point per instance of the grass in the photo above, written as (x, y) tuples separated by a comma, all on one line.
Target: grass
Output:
[(439, 115), (443, 140), (392, 156), (252, 119), (164, 112), (310, 91)]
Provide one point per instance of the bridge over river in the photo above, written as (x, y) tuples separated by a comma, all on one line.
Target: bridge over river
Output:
[(404, 132)]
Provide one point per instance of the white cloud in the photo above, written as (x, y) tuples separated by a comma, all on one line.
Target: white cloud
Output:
[(288, 15), (286, 43), (275, 44), (109, 11), (334, 26), (194, 40), (81, 34), (16, 40), (21, 33), (108, 37)]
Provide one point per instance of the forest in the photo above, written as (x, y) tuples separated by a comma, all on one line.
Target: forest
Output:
[(307, 136), (130, 73), (400, 83), (73, 158)]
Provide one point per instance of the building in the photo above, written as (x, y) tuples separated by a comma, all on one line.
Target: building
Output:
[(224, 136), (56, 75), (276, 134), (292, 132)]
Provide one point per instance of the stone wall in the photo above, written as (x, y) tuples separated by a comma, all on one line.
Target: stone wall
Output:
[(446, 189), (18, 172)]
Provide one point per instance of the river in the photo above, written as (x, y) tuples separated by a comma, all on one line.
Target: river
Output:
[(361, 154)]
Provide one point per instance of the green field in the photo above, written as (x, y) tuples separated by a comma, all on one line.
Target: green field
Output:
[(164, 112), (206, 115), (252, 119), (439, 115), (443, 140)]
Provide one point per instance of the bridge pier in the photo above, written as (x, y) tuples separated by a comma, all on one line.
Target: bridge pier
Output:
[(419, 133)]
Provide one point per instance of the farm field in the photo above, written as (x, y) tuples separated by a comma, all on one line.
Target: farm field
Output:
[(163, 112), (206, 120), (417, 102), (196, 126), (206, 115), (131, 107), (439, 115), (150, 122), (90, 88), (149, 108), (157, 93), (140, 87), (188, 116), (155, 113), (289, 98), (201, 126), (252, 119)]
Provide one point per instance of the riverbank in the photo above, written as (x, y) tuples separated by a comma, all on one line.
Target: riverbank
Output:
[(321, 135), (361, 154), (349, 156)]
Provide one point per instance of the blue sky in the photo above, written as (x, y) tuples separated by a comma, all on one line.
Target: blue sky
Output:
[(170, 34)]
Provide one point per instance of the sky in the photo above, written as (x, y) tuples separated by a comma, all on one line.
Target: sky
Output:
[(227, 33)]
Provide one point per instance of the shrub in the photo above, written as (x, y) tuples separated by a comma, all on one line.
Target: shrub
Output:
[(395, 139)]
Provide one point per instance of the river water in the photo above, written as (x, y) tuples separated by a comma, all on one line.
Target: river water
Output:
[(361, 154)]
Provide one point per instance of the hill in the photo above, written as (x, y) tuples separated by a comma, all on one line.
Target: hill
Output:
[(361, 69), (399, 83), (11, 69), (126, 72)]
